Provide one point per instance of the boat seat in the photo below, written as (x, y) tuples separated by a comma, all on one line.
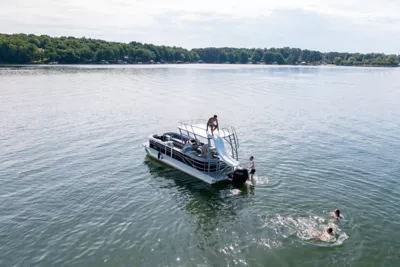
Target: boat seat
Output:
[(176, 140), (177, 143)]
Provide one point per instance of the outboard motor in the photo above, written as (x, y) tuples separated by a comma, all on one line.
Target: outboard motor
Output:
[(240, 176)]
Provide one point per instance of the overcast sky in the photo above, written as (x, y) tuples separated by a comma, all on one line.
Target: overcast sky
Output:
[(339, 25)]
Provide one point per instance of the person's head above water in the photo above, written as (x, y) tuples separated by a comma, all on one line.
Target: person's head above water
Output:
[(329, 230), (337, 213), (251, 157)]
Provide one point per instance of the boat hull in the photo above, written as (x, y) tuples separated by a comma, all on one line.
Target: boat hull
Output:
[(182, 167)]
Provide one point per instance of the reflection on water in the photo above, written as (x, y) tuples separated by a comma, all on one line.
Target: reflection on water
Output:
[(213, 207), (220, 198)]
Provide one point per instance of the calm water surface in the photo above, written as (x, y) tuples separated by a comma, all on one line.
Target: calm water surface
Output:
[(76, 188)]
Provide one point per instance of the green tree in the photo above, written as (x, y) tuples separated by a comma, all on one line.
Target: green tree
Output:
[(269, 57), (289, 60), (284, 52), (345, 62), (50, 56), (392, 60), (232, 57), (178, 56), (223, 57), (257, 55), (86, 54), (279, 59), (34, 40), (195, 56), (243, 57), (68, 56)]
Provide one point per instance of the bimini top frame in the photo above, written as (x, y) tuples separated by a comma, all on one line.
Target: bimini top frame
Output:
[(197, 128)]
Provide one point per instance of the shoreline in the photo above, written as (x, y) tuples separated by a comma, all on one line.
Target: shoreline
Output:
[(190, 63)]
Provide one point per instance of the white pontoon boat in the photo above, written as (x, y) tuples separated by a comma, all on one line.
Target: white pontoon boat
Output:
[(198, 153)]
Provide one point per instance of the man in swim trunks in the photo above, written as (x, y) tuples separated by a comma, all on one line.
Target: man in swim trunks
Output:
[(213, 124), (251, 167), (325, 236)]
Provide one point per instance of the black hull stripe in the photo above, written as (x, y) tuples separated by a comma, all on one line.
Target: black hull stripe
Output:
[(199, 165)]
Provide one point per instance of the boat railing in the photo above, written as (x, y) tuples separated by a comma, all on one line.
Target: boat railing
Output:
[(191, 125), (229, 135), (235, 145), (219, 169)]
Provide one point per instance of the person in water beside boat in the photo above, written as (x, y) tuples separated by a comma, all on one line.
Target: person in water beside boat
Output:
[(213, 124), (251, 167)]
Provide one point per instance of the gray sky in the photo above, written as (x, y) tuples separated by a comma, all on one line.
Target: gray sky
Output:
[(340, 25)]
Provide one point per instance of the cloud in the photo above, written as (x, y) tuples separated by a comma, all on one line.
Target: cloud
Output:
[(356, 25), (283, 27)]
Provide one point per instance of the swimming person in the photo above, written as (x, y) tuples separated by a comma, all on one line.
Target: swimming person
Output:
[(335, 214), (213, 124), (251, 167), (326, 235)]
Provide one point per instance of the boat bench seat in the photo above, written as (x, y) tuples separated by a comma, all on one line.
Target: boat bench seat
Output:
[(177, 142)]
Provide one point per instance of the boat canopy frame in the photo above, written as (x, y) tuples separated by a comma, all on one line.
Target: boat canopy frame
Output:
[(197, 128)]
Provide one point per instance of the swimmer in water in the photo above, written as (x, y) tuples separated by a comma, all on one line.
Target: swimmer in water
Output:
[(324, 236), (335, 214)]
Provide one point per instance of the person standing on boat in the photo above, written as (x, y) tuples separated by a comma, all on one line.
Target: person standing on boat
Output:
[(213, 124), (252, 168)]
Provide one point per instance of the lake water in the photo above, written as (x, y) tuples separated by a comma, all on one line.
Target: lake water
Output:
[(76, 188)]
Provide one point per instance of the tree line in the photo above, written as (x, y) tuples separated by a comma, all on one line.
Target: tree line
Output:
[(27, 49), (22, 49)]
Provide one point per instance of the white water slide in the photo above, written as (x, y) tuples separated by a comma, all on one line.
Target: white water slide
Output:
[(222, 152)]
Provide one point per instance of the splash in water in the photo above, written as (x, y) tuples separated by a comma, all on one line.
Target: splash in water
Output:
[(259, 180), (306, 228)]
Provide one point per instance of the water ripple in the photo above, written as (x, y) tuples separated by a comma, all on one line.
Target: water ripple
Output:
[(76, 188)]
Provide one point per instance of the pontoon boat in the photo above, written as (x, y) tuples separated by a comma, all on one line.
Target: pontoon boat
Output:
[(198, 153)]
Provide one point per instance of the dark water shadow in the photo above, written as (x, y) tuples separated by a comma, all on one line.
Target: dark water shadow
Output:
[(211, 206)]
